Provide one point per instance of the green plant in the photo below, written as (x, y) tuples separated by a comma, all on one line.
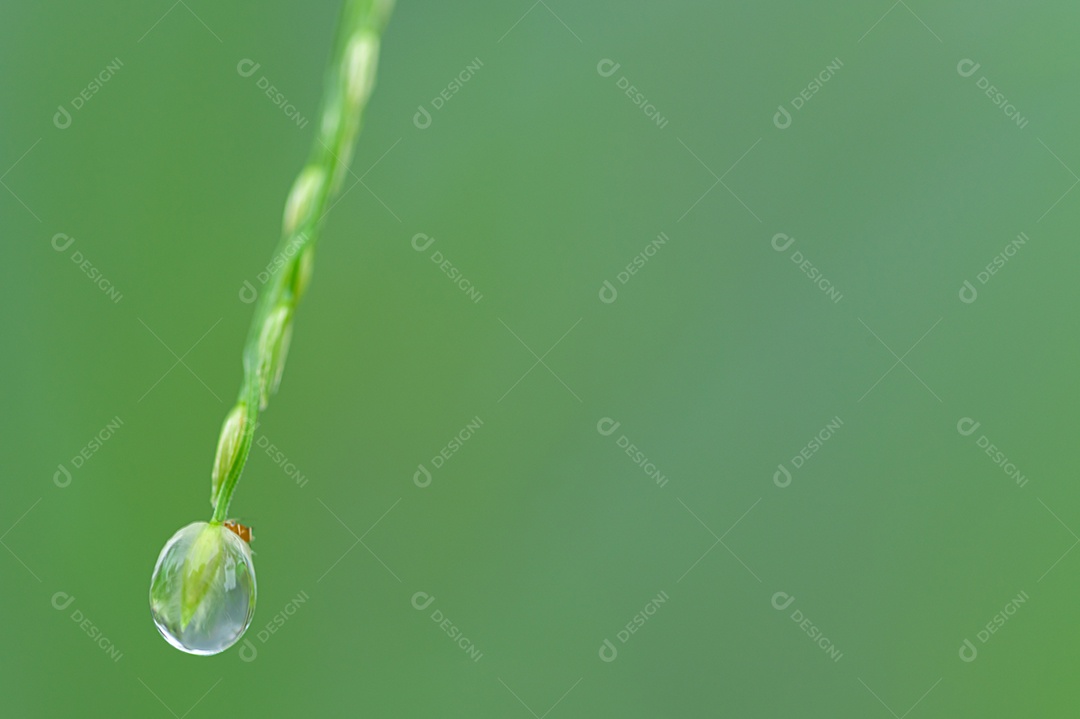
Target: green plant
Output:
[(202, 594)]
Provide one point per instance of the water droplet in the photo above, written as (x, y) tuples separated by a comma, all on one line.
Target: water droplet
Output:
[(202, 594)]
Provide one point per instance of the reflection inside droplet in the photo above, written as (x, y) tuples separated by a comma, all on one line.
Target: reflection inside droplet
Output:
[(202, 594)]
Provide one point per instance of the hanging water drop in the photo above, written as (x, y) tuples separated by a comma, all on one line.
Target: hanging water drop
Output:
[(202, 593)]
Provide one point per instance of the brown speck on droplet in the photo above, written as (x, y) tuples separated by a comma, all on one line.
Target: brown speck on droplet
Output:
[(239, 530)]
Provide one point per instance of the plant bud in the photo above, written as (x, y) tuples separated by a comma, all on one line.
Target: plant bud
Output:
[(228, 449), (361, 58), (302, 198), (302, 272), (273, 345)]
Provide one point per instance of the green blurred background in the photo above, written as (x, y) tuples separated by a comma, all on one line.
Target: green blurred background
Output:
[(540, 537)]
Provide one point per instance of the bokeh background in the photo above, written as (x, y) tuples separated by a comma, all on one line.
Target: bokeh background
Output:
[(896, 537)]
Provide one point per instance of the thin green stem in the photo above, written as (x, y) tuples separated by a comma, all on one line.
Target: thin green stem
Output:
[(349, 81)]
